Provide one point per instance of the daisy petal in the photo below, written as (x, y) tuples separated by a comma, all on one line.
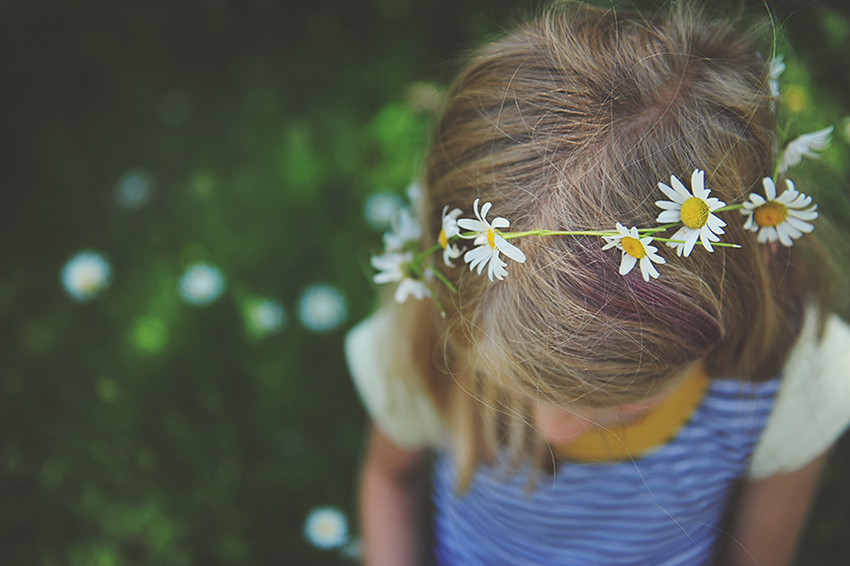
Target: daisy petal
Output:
[(769, 188), (484, 210), (784, 238), (715, 224), (477, 256), (672, 194), (680, 188), (714, 203), (799, 224), (705, 237), (496, 268), (770, 234), (669, 216), (667, 205), (698, 184), (757, 200), (500, 223), (509, 249), (627, 264), (803, 214), (690, 242), (655, 257), (790, 230), (472, 225), (647, 269)]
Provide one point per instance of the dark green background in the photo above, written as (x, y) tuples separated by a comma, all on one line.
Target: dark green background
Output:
[(206, 445)]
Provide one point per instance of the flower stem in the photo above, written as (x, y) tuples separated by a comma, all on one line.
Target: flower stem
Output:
[(721, 244), (658, 228), (439, 275), (511, 235), (437, 302), (420, 257), (730, 207)]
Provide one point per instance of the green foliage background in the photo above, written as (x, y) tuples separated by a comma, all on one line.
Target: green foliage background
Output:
[(137, 429)]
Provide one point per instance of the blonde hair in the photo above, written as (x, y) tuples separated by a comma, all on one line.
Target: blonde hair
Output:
[(568, 123)]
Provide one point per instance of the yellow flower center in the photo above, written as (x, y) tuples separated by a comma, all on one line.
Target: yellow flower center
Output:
[(491, 238), (633, 247), (694, 213), (770, 214), (443, 240)]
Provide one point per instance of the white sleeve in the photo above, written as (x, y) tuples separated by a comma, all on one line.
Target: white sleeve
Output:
[(398, 405), (813, 405)]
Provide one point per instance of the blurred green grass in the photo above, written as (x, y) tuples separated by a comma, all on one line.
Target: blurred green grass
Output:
[(138, 429)]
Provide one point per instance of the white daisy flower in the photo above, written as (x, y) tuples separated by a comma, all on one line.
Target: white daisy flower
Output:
[(201, 284), (634, 249), (774, 70), (322, 308), (489, 243), (804, 146), (404, 230), (266, 316), (449, 230), (392, 268), (381, 209), (693, 209), (784, 218), (326, 528), (85, 275)]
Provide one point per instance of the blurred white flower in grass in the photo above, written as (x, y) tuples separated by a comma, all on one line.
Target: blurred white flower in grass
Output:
[(393, 267), (804, 146), (777, 65), (85, 275), (404, 230), (134, 189), (326, 528), (381, 209), (321, 307), (266, 316), (201, 284)]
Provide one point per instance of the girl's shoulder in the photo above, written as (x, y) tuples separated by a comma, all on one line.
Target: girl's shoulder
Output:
[(812, 408), (389, 384)]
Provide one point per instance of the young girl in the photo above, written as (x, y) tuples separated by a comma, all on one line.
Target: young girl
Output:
[(595, 399)]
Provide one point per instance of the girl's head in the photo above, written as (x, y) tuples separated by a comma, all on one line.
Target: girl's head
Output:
[(569, 123)]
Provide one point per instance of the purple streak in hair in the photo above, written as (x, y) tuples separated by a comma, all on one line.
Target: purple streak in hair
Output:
[(654, 303)]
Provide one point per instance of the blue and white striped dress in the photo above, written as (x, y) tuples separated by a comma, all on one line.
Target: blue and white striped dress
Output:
[(665, 508)]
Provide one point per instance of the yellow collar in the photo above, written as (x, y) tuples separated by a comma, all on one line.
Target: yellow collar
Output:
[(632, 439)]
